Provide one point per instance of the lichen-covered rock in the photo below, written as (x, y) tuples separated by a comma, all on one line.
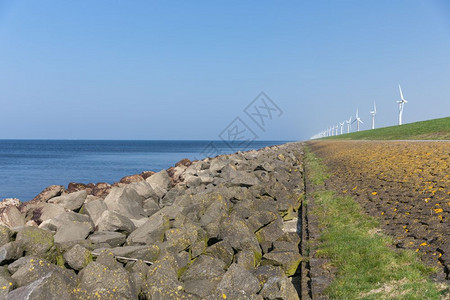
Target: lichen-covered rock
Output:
[(72, 201), (6, 285), (101, 282), (275, 284), (5, 235), (49, 287), (78, 257), (36, 241), (146, 252), (113, 221), (270, 232), (288, 260), (203, 275), (223, 251), (236, 232), (34, 269), (238, 282)]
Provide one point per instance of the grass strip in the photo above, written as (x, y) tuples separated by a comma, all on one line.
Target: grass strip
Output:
[(437, 129), (367, 265)]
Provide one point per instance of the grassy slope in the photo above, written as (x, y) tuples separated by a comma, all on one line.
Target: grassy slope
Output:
[(367, 265), (437, 129)]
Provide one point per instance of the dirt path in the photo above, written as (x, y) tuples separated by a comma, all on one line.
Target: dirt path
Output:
[(405, 184)]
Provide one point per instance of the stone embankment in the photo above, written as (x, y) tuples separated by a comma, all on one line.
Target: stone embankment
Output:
[(220, 228)]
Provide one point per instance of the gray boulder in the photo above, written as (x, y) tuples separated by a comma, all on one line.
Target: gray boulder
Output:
[(99, 281), (5, 235), (223, 251), (143, 189), (33, 269), (36, 241), (45, 211), (275, 284), (78, 257), (49, 287), (72, 201), (113, 221), (11, 217), (70, 226), (6, 285), (271, 232), (151, 232), (203, 275), (288, 260), (48, 193), (114, 239), (10, 251), (146, 252), (160, 182), (238, 283), (95, 209), (125, 201)]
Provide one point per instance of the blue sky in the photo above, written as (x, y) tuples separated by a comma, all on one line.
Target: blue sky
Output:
[(186, 69)]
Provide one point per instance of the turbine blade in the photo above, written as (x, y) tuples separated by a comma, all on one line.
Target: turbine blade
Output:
[(401, 94)]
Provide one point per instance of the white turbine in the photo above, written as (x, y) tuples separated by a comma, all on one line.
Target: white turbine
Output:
[(357, 120), (342, 126), (401, 103), (332, 130), (373, 113), (349, 124), (337, 126)]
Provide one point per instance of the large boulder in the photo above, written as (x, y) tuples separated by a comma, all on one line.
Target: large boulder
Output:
[(238, 283), (203, 275), (11, 217), (48, 287), (69, 227), (143, 189), (36, 241), (113, 221), (126, 201), (48, 193), (95, 209), (78, 257), (102, 282), (5, 235), (44, 211), (113, 239), (72, 201), (160, 182), (10, 251), (275, 284), (288, 260), (151, 232), (33, 269)]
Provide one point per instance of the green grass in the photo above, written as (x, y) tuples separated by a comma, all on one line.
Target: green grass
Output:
[(437, 129), (367, 265)]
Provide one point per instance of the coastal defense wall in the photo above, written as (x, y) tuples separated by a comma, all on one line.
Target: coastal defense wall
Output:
[(224, 227)]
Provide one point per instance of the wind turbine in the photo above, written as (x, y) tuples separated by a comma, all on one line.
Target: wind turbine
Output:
[(401, 103), (357, 120), (332, 130), (342, 126), (373, 113), (349, 122), (337, 126)]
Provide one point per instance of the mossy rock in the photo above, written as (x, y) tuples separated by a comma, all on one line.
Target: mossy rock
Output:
[(38, 242)]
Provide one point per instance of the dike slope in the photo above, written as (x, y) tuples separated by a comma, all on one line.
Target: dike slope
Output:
[(404, 184), (212, 229)]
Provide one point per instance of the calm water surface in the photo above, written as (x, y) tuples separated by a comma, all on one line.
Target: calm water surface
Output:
[(28, 166)]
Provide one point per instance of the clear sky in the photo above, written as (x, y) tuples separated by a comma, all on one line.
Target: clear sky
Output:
[(186, 69)]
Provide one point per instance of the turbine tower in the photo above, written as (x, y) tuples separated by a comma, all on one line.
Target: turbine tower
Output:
[(349, 122), (357, 120), (342, 126), (337, 126), (373, 113), (401, 103)]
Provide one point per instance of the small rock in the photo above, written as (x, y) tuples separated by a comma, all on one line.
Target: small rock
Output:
[(114, 239), (78, 257), (113, 221)]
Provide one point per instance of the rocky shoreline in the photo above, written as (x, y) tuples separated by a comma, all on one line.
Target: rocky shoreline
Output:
[(219, 228)]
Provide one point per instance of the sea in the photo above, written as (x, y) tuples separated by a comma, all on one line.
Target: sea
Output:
[(29, 166)]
